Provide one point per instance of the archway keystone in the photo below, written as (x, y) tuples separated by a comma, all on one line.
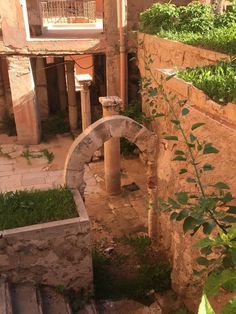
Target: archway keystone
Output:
[(82, 149)]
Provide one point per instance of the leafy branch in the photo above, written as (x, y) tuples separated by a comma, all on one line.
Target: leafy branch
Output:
[(209, 207)]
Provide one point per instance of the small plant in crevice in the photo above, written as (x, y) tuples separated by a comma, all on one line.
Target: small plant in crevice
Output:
[(202, 204), (44, 153)]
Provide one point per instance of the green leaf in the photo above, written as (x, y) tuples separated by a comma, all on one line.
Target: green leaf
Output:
[(189, 223), (215, 281), (152, 91), (183, 170), (227, 197), (182, 215), (202, 261), (233, 255), (190, 180), (221, 186), (173, 216), (205, 307), (182, 197), (179, 158), (176, 122), (185, 111), (159, 115), (192, 137), (173, 203), (171, 138), (197, 125), (206, 250), (208, 167), (179, 152), (209, 149), (231, 210), (208, 227), (204, 242), (230, 307), (230, 219)]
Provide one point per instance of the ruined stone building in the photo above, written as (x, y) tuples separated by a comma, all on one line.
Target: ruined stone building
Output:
[(54, 52)]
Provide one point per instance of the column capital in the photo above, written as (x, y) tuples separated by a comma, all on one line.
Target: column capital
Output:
[(110, 102)]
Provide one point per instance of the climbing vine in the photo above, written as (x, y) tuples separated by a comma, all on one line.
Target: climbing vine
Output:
[(208, 207)]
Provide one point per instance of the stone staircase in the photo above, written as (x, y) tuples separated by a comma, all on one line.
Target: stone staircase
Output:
[(28, 299)]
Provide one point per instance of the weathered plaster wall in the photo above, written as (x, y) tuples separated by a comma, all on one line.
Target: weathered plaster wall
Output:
[(220, 129), (54, 253)]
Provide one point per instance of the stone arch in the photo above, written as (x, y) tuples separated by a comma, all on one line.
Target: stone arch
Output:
[(82, 149)]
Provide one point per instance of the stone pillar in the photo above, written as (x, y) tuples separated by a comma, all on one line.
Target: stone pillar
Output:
[(61, 81), (2, 95), (73, 110), (24, 100), (111, 106), (41, 88), (84, 83), (111, 31)]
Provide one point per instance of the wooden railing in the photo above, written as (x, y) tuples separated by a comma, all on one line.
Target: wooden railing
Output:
[(68, 11)]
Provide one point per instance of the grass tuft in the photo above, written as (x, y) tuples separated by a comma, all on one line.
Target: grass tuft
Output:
[(24, 208)]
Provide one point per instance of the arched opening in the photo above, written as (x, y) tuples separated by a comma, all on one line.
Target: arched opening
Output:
[(93, 138)]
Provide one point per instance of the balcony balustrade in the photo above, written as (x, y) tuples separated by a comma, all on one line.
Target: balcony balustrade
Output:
[(68, 11)]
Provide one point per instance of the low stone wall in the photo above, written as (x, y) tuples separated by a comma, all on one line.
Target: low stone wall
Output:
[(220, 129), (54, 253), (170, 54)]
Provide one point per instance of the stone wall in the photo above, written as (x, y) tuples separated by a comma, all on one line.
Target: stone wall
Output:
[(54, 253), (220, 129), (171, 54)]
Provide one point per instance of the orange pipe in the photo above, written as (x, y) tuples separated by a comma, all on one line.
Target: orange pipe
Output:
[(123, 61)]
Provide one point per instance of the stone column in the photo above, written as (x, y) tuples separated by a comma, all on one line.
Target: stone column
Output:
[(84, 83), (2, 95), (24, 100), (41, 88), (73, 110), (61, 80), (111, 106), (111, 32)]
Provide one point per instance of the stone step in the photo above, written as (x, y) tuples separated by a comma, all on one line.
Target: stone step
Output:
[(5, 298), (25, 300), (53, 302)]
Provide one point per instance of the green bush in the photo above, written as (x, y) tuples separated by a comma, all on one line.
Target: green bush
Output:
[(159, 16), (228, 18), (217, 81), (196, 17), (195, 24)]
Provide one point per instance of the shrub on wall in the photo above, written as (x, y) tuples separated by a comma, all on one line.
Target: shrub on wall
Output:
[(217, 81), (194, 24), (158, 17), (195, 17)]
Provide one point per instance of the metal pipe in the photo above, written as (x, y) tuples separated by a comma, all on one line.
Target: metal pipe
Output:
[(123, 61)]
